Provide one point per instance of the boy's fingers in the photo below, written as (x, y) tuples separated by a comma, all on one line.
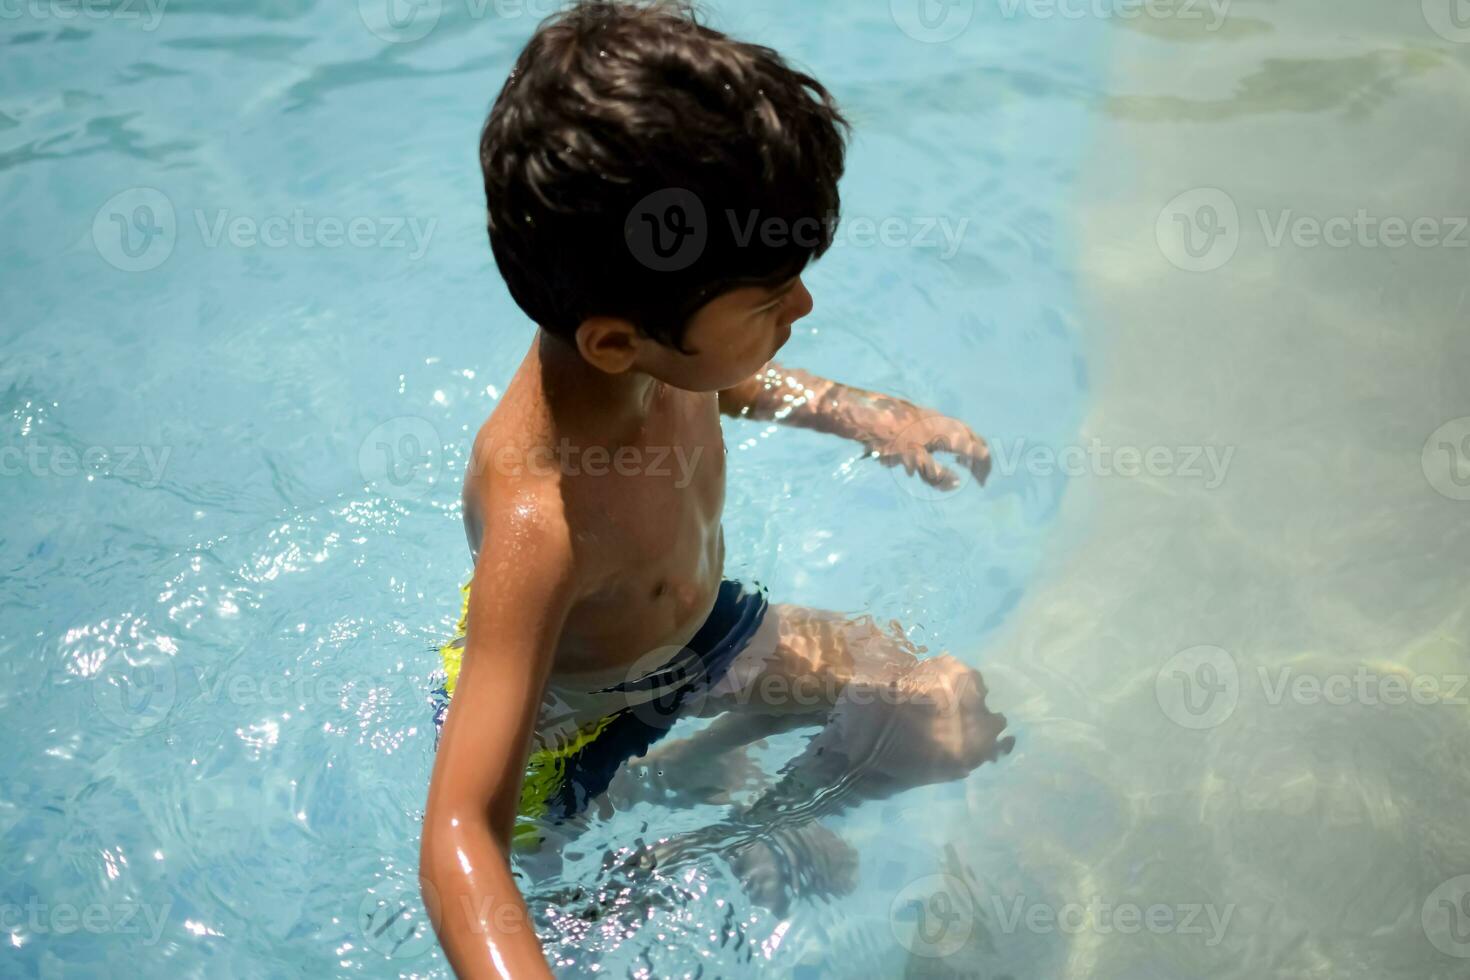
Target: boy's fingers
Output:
[(977, 454), (922, 462), (980, 462), (970, 448), (936, 475)]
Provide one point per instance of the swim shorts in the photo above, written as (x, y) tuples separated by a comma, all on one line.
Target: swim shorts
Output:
[(578, 766)]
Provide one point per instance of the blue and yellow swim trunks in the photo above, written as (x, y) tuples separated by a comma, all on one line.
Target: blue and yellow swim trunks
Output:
[(562, 778)]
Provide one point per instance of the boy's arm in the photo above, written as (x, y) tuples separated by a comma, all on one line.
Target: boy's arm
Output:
[(519, 600), (894, 430)]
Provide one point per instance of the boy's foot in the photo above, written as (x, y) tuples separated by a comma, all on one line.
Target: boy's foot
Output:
[(778, 864), (794, 862)]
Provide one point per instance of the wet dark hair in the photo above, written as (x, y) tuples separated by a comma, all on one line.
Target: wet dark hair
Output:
[(626, 128)]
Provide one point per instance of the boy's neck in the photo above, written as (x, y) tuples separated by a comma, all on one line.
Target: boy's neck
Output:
[(588, 402)]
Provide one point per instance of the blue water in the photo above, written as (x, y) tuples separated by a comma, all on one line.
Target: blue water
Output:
[(219, 615)]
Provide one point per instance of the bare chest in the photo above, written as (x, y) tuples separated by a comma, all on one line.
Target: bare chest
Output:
[(647, 518)]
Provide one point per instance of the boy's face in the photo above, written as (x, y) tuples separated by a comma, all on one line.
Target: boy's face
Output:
[(732, 336)]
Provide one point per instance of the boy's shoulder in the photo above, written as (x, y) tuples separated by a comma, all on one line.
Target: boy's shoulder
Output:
[(507, 467), (520, 422), (510, 442)]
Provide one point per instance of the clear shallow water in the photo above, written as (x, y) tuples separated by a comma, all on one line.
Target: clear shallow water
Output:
[(1214, 675), (218, 634)]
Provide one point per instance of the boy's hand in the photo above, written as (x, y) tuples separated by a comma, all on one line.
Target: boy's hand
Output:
[(911, 436)]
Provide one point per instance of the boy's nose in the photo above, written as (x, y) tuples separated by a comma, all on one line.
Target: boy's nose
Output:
[(801, 301)]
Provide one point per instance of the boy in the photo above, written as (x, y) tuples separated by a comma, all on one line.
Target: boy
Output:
[(655, 190)]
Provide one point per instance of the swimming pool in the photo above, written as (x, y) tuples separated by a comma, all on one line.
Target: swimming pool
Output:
[(251, 321)]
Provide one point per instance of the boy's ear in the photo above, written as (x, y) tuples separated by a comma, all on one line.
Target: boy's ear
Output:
[(609, 343)]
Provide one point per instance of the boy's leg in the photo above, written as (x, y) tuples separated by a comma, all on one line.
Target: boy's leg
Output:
[(896, 720), (889, 720), (801, 660), (786, 677), (710, 766)]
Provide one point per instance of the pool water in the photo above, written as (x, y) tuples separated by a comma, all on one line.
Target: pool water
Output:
[(250, 323)]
